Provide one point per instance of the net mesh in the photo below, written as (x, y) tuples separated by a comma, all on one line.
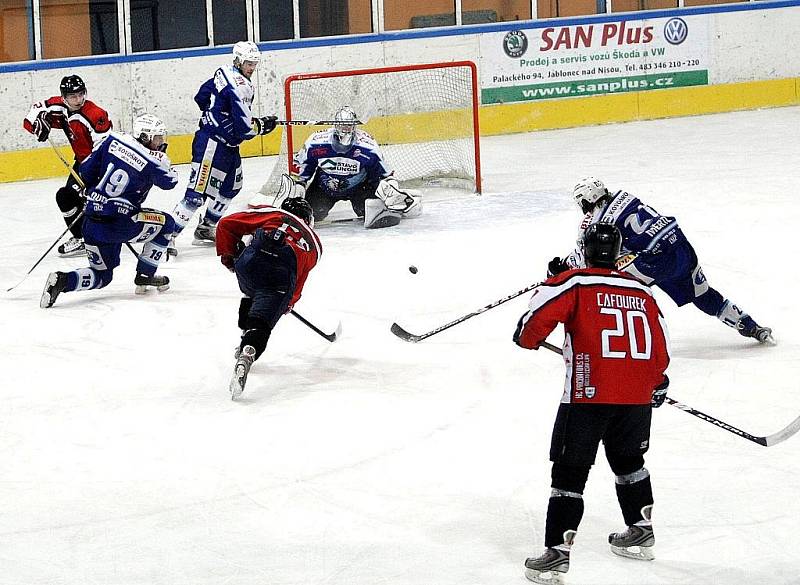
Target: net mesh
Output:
[(422, 118)]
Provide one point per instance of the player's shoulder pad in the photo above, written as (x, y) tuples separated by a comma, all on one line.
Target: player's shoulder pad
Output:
[(321, 137), (97, 116), (56, 100), (233, 79), (364, 139), (134, 153)]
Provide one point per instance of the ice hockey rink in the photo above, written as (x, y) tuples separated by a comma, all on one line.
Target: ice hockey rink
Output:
[(371, 460)]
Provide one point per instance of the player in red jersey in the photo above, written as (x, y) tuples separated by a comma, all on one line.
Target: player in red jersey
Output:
[(85, 124), (616, 352), (271, 270)]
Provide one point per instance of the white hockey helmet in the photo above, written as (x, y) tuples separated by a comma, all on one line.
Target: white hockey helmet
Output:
[(245, 51), (344, 126), (146, 127), (588, 192)]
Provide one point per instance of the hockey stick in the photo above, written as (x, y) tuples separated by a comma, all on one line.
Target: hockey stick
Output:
[(82, 185), (314, 122), (414, 338), (53, 245), (329, 336), (766, 441)]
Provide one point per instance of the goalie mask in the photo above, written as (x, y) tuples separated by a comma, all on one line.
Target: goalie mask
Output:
[(150, 131), (588, 192), (301, 208), (601, 245), (344, 129)]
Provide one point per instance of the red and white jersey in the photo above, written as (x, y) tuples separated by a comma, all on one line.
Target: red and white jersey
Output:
[(85, 128), (616, 345), (302, 239)]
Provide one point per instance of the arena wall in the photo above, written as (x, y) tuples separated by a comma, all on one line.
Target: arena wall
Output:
[(751, 56)]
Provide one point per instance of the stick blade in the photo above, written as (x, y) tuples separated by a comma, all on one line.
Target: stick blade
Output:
[(336, 334), (405, 335), (783, 434)]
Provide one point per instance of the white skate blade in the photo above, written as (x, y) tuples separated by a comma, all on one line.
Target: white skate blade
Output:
[(545, 577), (73, 254), (205, 243), (141, 289), (46, 301), (639, 553), (236, 386)]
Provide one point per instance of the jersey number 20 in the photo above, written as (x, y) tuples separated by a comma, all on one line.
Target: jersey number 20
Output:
[(625, 324)]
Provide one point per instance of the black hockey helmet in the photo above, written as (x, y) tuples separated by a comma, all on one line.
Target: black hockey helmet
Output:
[(601, 245), (299, 207), (72, 84)]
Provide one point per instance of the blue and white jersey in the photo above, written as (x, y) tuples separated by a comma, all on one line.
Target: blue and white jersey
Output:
[(340, 172), (120, 173), (643, 229), (226, 101)]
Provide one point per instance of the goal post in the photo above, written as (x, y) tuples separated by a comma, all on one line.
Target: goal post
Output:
[(424, 117)]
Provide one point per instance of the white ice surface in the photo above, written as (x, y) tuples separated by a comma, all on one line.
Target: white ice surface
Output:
[(370, 460)]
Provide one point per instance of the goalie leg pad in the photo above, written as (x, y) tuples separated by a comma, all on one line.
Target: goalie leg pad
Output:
[(377, 215), (413, 205)]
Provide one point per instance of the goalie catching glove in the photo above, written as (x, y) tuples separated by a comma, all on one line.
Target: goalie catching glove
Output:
[(264, 125)]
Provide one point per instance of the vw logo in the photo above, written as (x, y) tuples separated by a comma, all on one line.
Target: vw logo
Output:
[(676, 31)]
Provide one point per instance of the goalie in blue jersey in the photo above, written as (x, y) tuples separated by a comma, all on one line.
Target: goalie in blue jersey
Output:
[(345, 163)]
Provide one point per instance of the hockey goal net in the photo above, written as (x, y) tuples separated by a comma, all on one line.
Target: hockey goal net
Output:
[(425, 117)]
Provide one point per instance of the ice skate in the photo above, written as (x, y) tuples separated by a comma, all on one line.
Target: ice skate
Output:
[(72, 247), (205, 234), (637, 541), (55, 285), (142, 281), (243, 363), (552, 565), (749, 328)]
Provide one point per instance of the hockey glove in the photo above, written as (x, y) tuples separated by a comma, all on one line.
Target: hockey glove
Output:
[(660, 393), (269, 241), (227, 261), (264, 125), (556, 266), (41, 127)]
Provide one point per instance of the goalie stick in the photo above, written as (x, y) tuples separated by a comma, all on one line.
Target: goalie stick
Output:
[(414, 338), (313, 122), (766, 441), (329, 336)]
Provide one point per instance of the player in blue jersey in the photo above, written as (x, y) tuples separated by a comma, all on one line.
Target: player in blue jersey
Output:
[(655, 250), (345, 163), (226, 102), (119, 174)]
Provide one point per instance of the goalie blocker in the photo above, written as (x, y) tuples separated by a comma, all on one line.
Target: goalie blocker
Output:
[(389, 205)]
